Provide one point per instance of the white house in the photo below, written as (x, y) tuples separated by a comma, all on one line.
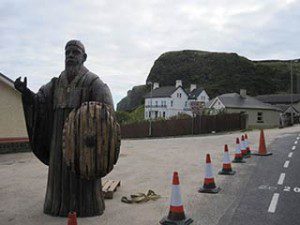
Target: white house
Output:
[(258, 114), (169, 101)]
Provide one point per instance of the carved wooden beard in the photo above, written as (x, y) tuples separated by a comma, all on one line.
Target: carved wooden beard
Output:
[(72, 70)]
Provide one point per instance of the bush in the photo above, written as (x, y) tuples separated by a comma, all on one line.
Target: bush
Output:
[(137, 115), (180, 116)]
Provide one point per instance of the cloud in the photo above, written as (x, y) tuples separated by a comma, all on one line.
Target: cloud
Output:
[(123, 38)]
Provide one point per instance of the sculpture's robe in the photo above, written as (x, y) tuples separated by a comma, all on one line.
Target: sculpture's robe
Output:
[(45, 114)]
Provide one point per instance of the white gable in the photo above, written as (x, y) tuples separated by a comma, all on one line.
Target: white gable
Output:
[(217, 104), (203, 96), (179, 93)]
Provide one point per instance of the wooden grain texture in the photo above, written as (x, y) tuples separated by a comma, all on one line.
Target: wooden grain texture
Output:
[(91, 140), (109, 187), (114, 185)]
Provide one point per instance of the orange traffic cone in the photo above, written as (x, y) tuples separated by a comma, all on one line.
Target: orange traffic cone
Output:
[(209, 185), (176, 213), (247, 145), (226, 170), (262, 149), (244, 147), (72, 218), (238, 157)]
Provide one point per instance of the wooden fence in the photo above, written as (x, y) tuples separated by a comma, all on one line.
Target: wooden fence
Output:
[(197, 125)]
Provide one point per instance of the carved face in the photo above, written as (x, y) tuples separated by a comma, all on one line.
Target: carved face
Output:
[(74, 56)]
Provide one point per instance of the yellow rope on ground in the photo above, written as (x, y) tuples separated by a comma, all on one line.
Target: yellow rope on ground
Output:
[(141, 197)]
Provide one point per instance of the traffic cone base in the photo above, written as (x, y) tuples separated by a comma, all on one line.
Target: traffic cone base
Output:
[(266, 154), (238, 160), (166, 221), (248, 154), (209, 190), (226, 172)]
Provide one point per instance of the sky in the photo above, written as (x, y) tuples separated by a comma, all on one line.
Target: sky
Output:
[(124, 38)]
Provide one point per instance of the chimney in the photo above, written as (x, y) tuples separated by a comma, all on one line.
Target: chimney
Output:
[(178, 83), (193, 87), (243, 93), (155, 85)]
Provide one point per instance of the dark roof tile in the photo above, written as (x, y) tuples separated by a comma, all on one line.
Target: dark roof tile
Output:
[(165, 91), (278, 98), (234, 100)]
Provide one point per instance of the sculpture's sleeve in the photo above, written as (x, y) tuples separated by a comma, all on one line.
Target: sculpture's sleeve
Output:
[(38, 113), (100, 92)]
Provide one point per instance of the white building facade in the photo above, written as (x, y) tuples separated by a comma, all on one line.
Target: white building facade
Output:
[(169, 101)]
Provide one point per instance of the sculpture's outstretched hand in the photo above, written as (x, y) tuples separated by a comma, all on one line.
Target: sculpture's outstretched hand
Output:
[(21, 86)]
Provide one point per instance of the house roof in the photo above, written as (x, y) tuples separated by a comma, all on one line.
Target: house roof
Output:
[(234, 100), (195, 93), (7, 80), (285, 107), (160, 92), (279, 98)]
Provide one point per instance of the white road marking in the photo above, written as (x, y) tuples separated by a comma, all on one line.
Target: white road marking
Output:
[(287, 188), (286, 164), (273, 204), (267, 187), (296, 142), (293, 148), (281, 179), (290, 155), (296, 189)]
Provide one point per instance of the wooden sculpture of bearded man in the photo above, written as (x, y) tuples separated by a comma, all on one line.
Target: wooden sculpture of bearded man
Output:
[(71, 128)]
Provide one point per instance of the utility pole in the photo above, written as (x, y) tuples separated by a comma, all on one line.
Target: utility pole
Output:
[(292, 114), (150, 114)]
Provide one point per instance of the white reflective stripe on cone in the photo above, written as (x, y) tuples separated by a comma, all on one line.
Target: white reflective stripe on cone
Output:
[(208, 171), (226, 158), (247, 144), (238, 149), (242, 145), (176, 196)]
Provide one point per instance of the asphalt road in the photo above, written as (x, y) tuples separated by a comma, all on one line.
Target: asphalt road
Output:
[(272, 195)]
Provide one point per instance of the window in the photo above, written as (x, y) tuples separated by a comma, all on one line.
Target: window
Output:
[(162, 103), (260, 118), (185, 104), (171, 103), (156, 114), (156, 103), (149, 114), (164, 114)]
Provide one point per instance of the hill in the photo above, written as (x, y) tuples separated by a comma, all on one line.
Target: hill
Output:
[(218, 73)]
